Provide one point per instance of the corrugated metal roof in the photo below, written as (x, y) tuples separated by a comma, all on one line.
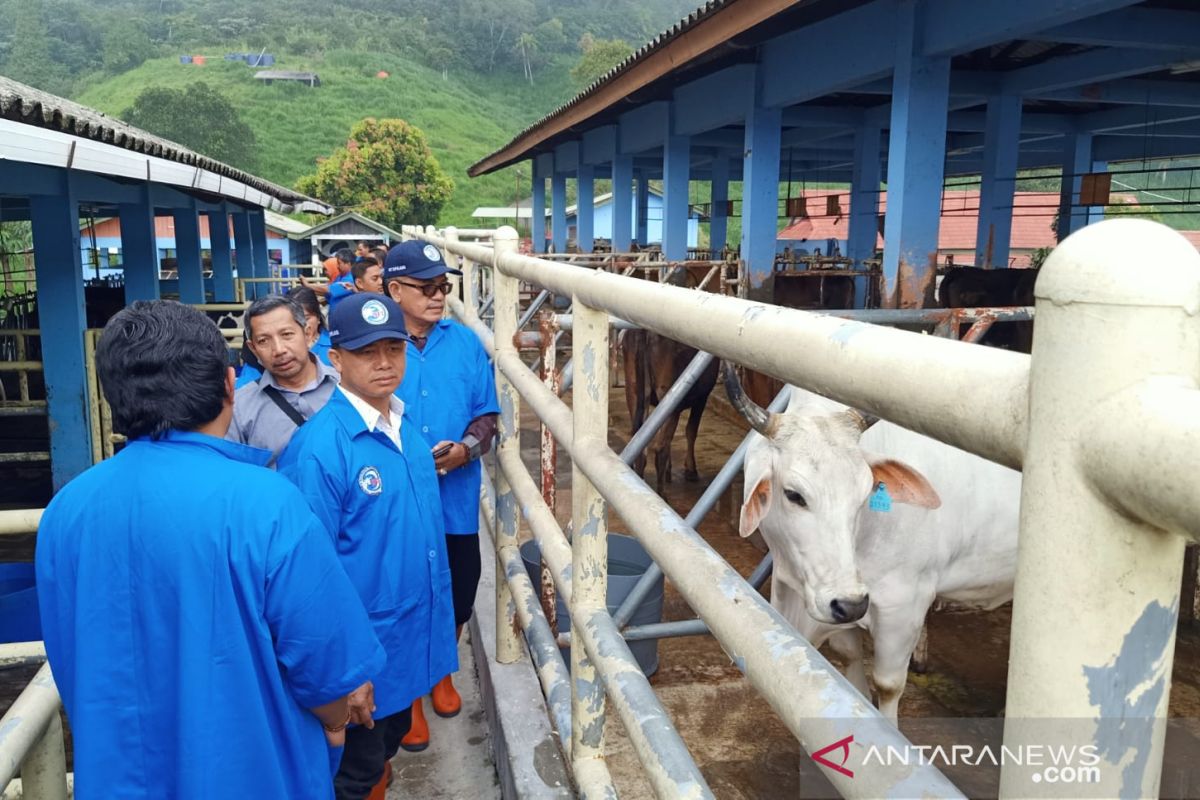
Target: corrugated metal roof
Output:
[(30, 106)]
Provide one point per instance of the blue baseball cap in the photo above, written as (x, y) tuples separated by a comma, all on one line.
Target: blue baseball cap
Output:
[(417, 260), (363, 318)]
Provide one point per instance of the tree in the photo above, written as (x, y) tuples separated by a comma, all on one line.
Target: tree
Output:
[(599, 56), (198, 117), (386, 172)]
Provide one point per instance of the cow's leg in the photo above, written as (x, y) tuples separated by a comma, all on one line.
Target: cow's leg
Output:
[(920, 657), (635, 388), (662, 450), (690, 472), (847, 643), (895, 629)]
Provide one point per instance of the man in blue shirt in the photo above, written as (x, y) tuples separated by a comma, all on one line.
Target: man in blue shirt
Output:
[(449, 389), (198, 624), (369, 476)]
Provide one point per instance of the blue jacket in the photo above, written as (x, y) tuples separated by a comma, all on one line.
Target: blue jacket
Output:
[(193, 612), (445, 386), (380, 506)]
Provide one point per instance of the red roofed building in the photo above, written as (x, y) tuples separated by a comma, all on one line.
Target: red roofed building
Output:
[(1033, 213)]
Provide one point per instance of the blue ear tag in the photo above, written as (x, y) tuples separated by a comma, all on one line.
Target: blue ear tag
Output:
[(880, 499)]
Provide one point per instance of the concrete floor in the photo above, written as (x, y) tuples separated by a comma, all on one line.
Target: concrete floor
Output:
[(458, 763)]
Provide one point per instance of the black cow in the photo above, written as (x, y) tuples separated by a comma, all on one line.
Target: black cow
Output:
[(971, 287)]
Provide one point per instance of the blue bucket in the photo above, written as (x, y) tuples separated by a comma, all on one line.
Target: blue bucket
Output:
[(185, 59), (19, 619)]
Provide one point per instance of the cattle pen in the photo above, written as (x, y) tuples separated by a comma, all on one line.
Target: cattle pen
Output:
[(1085, 431)]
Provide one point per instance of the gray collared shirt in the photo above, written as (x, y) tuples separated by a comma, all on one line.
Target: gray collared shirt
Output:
[(258, 422)]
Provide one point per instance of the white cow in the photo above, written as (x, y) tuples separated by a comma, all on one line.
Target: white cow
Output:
[(851, 555)]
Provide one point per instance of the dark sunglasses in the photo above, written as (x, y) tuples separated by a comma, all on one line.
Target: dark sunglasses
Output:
[(430, 289)]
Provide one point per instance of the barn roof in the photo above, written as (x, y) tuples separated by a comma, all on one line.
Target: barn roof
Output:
[(359, 224), (32, 107)]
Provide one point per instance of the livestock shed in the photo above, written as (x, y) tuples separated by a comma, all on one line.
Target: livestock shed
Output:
[(345, 230), (61, 162), (269, 76), (861, 93)]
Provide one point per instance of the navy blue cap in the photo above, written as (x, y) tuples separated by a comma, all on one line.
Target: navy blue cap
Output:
[(415, 259), (363, 318)]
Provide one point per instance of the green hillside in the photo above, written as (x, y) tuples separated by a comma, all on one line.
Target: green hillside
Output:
[(295, 125)]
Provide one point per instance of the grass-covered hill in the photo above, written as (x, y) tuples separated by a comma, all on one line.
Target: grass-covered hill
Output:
[(464, 119)]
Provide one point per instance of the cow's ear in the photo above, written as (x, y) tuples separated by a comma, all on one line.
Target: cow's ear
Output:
[(904, 484), (755, 506)]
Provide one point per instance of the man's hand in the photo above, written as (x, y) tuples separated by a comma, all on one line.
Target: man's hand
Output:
[(362, 705), (454, 458)]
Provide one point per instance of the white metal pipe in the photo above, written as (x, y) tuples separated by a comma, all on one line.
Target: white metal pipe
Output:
[(44, 770), (23, 520), (812, 698), (977, 403), (1097, 591), (589, 515), (508, 522), (26, 721)]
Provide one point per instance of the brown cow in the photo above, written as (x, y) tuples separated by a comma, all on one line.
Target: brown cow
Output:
[(652, 365)]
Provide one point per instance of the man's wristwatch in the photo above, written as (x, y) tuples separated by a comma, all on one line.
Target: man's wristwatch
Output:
[(474, 448)]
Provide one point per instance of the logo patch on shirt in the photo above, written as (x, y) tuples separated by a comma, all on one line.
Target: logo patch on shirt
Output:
[(432, 253), (374, 312), (369, 481)]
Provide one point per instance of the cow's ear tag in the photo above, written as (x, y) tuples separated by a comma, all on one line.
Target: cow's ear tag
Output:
[(880, 499)]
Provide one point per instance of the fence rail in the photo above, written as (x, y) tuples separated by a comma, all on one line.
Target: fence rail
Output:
[(1102, 419)]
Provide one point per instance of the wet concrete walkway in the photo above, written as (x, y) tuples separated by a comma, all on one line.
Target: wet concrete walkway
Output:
[(459, 762)]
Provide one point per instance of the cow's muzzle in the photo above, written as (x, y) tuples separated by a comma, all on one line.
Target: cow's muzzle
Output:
[(849, 609)]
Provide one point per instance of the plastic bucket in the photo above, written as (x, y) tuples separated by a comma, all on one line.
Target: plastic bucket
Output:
[(627, 562), (19, 619), (185, 59)]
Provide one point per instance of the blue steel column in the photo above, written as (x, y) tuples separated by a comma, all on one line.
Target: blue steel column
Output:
[(676, 172), (243, 243), (585, 208), (537, 210), (1077, 160), (760, 191), (262, 259), (139, 248), (187, 254), (59, 270), (643, 208), (916, 167), (863, 225), (622, 206), (222, 258), (1002, 144), (718, 215), (558, 211)]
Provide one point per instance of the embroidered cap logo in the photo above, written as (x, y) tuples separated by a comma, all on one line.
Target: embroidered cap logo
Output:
[(370, 481), (432, 253), (374, 312)]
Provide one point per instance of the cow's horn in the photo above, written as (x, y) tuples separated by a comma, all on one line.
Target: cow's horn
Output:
[(860, 419), (759, 418)]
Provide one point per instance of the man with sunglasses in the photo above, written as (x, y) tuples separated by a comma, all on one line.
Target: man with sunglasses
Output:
[(450, 391)]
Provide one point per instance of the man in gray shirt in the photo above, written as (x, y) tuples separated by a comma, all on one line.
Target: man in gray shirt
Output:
[(294, 386)]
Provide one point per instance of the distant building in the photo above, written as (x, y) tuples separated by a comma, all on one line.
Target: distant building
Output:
[(345, 230), (601, 217), (269, 76)]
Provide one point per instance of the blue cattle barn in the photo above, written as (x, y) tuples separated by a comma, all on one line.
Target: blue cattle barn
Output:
[(60, 161), (859, 93)]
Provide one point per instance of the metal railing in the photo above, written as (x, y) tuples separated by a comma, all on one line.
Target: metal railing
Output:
[(1109, 399), (32, 756)]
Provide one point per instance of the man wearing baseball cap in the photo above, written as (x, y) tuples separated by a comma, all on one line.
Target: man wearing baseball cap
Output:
[(450, 393), (369, 477)]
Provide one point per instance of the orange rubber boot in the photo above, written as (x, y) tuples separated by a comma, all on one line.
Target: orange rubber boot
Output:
[(446, 702), (417, 738), (379, 790)]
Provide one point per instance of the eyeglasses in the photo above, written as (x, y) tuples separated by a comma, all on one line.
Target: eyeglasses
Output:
[(430, 289)]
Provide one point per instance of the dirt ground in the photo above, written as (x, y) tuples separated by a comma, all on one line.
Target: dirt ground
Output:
[(743, 749)]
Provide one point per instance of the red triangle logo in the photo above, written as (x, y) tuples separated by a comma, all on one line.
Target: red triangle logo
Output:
[(844, 746)]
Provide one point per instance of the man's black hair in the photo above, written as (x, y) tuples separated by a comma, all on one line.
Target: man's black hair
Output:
[(362, 265), (267, 304), (163, 366), (344, 255), (306, 298)]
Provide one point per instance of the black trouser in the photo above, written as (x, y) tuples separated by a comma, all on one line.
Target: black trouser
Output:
[(367, 751), (462, 551)]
